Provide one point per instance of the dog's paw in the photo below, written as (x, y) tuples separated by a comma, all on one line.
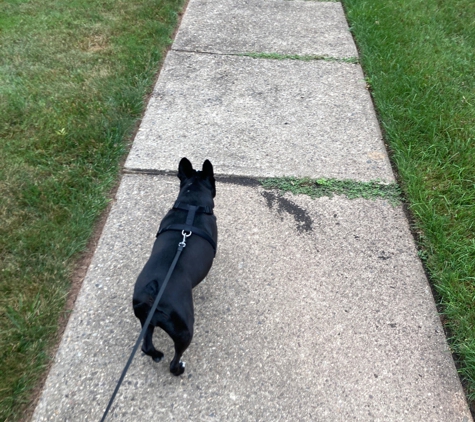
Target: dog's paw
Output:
[(158, 357), (179, 370)]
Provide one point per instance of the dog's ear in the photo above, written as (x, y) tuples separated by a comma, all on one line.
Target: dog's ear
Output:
[(208, 174), (207, 169), (185, 169)]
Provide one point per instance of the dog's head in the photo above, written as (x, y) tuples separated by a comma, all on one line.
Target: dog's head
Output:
[(194, 184)]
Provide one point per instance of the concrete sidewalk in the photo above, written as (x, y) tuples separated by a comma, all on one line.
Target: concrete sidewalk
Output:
[(314, 310)]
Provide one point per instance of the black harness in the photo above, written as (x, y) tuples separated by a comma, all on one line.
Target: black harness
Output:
[(188, 225)]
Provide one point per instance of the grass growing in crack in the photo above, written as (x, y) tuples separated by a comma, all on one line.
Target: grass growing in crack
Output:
[(419, 58), (329, 187), (277, 56), (73, 79)]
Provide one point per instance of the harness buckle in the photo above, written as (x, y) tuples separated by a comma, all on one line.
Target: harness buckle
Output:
[(185, 235)]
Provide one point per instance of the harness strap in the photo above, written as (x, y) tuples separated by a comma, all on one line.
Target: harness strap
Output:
[(195, 230), (185, 207), (191, 215), (190, 218)]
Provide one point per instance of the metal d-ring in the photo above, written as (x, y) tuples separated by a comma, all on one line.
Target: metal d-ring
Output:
[(185, 235)]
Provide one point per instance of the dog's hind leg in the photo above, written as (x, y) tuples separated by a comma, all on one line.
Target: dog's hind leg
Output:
[(182, 341), (148, 347), (141, 312)]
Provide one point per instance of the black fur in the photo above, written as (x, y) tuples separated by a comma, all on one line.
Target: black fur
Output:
[(174, 313)]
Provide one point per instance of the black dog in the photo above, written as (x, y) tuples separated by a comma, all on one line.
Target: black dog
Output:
[(192, 212)]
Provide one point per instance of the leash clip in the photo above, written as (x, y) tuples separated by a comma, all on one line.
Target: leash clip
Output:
[(185, 235)]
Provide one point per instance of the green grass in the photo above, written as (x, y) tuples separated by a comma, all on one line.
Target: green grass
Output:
[(307, 58), (418, 56), (73, 79), (329, 187)]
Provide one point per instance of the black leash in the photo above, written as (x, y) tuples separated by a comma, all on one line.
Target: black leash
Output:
[(181, 246)]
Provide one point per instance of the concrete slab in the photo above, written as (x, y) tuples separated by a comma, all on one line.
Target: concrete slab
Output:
[(255, 117), (314, 310), (285, 27)]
